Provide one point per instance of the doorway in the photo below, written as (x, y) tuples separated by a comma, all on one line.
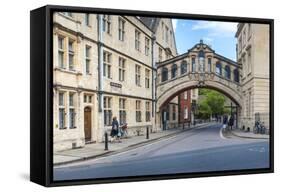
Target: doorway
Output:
[(88, 124)]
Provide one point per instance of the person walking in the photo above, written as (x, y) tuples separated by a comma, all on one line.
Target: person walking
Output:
[(115, 131), (225, 119), (231, 121)]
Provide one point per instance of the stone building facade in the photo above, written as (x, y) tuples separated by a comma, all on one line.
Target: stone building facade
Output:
[(105, 66), (253, 55)]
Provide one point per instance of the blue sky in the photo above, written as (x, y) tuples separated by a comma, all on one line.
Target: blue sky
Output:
[(220, 35)]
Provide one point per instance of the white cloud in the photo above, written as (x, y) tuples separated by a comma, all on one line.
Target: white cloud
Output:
[(216, 28), (208, 39), (174, 22)]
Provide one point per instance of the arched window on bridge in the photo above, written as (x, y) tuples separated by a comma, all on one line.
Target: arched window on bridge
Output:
[(209, 64), (183, 67), (193, 64), (236, 75), (164, 75), (218, 69), (201, 61), (174, 70), (227, 72)]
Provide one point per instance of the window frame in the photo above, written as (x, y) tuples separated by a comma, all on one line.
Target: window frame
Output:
[(121, 29), (147, 111), (147, 46), (174, 71), (164, 74), (147, 78), (138, 75), (107, 66), (122, 111), (61, 51), (121, 69), (138, 111), (219, 66), (137, 40), (71, 111), (106, 22), (107, 108), (88, 50), (193, 65), (71, 54), (227, 72), (61, 106)]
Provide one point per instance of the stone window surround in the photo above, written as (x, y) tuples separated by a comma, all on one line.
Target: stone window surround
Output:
[(106, 23), (122, 110), (66, 107), (137, 40), (193, 64), (138, 75), (121, 29), (147, 111), (88, 53), (147, 78), (138, 111), (147, 46), (62, 105), (87, 98), (66, 52), (107, 106), (122, 69), (107, 67), (72, 107), (174, 72)]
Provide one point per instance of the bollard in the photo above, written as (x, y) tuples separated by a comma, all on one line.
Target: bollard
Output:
[(106, 141), (147, 132), (183, 125)]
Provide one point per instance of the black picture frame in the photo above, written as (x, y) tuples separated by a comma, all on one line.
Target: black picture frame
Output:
[(41, 106)]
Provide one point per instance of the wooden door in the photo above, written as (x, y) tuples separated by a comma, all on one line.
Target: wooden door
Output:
[(88, 123)]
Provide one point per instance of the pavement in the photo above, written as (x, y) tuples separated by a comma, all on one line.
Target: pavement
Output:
[(244, 134), (201, 149), (96, 150)]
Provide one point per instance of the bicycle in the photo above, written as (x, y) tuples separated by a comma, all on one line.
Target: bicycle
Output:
[(259, 128)]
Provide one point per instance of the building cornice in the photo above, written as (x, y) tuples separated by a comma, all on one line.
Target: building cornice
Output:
[(80, 89), (239, 29)]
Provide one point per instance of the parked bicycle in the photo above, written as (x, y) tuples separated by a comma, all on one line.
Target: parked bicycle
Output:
[(259, 128), (123, 130)]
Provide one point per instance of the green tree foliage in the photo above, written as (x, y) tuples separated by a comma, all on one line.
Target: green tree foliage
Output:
[(210, 102)]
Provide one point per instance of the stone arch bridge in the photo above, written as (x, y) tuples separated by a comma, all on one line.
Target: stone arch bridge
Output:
[(199, 67)]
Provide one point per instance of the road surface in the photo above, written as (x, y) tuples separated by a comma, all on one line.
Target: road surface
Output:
[(197, 150)]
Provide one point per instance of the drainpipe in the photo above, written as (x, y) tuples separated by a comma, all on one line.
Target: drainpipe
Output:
[(100, 62), (101, 128), (153, 76)]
